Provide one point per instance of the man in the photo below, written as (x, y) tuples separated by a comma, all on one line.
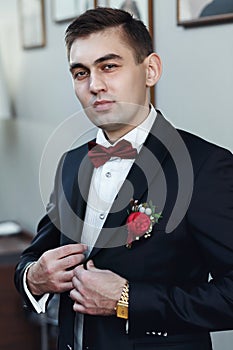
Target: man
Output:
[(130, 243)]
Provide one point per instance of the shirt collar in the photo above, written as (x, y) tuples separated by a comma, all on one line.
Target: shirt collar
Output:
[(137, 136)]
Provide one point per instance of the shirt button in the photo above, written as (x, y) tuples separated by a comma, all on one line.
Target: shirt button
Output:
[(108, 174), (102, 216)]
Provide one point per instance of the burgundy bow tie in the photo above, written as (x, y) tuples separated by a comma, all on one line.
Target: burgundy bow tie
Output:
[(99, 154)]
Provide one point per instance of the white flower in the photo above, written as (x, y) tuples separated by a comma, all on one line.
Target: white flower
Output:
[(148, 211), (142, 209)]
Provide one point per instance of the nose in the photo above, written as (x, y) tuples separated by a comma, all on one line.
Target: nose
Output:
[(97, 83)]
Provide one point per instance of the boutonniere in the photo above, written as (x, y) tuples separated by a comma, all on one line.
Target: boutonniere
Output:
[(140, 221)]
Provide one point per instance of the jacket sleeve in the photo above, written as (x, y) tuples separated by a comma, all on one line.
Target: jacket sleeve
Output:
[(48, 237), (209, 305)]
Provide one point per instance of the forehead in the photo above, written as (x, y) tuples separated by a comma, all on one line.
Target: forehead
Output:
[(96, 45)]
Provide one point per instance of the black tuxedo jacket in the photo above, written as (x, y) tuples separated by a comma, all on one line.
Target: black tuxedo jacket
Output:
[(173, 304)]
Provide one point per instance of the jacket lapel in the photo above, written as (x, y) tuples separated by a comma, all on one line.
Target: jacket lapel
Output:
[(75, 190)]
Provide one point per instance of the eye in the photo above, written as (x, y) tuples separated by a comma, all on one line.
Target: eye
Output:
[(110, 66), (80, 74)]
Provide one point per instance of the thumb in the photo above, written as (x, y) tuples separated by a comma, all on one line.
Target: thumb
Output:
[(90, 265)]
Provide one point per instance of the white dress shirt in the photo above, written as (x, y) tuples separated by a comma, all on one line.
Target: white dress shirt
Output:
[(107, 180)]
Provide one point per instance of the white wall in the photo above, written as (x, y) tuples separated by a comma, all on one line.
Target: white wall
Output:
[(195, 90), (42, 97), (195, 93)]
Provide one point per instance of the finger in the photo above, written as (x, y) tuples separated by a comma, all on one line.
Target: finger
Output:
[(76, 283), (67, 286), (67, 276), (76, 296), (70, 261), (90, 265), (69, 249), (79, 271), (60, 287), (79, 308)]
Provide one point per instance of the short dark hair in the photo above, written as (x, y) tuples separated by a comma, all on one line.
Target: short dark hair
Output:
[(134, 31)]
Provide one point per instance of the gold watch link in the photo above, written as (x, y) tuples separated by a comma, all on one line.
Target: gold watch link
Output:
[(123, 303)]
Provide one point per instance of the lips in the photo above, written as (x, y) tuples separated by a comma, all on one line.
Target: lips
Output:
[(103, 105)]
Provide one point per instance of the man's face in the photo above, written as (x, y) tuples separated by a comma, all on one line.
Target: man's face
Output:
[(108, 82)]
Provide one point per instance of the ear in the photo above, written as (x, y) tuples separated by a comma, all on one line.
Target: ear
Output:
[(154, 69)]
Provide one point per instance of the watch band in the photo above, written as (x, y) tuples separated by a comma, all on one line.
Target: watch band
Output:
[(123, 302)]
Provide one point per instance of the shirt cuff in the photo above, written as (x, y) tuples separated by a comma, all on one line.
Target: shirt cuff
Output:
[(39, 305)]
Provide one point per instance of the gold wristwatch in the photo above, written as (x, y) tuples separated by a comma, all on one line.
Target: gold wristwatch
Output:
[(123, 302)]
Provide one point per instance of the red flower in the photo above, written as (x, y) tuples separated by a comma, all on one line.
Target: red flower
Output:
[(138, 224)]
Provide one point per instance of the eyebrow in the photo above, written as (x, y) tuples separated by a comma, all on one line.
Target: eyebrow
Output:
[(107, 57)]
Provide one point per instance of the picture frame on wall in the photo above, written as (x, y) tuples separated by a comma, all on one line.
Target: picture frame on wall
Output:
[(139, 9), (32, 23), (67, 10), (204, 12)]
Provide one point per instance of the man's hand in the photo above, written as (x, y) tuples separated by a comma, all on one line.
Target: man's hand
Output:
[(53, 272), (96, 292)]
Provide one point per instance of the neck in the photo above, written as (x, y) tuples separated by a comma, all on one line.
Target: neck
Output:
[(113, 135), (114, 132)]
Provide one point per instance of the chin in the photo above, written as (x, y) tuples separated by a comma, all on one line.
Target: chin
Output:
[(111, 126)]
